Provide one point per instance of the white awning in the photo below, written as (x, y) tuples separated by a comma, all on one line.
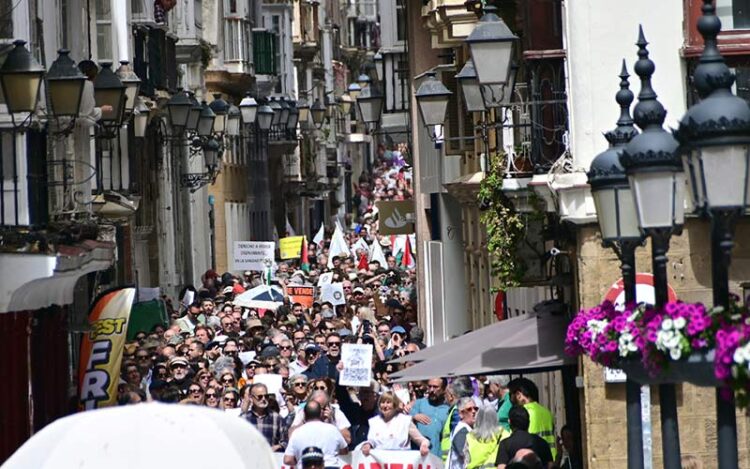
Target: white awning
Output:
[(55, 290)]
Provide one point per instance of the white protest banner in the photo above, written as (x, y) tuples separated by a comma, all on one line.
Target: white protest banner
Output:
[(252, 255), (325, 278), (333, 293), (380, 459), (272, 382), (357, 359)]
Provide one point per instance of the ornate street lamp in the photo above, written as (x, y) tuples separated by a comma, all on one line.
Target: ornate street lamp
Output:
[(345, 104), (318, 112), (491, 44), (249, 109), (354, 89), (304, 111), (140, 118), (618, 223), (20, 79), (714, 138), (276, 108), (265, 117), (221, 109), (109, 92), (194, 113), (206, 121), (370, 104), (233, 121), (432, 99), (379, 65), (211, 154), (467, 79), (654, 170), (293, 116), (65, 84), (363, 80), (178, 108), (284, 113), (132, 84)]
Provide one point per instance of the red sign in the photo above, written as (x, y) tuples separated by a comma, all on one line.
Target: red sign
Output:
[(644, 291)]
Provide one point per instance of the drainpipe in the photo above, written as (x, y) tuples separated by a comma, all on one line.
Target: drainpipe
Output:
[(120, 26)]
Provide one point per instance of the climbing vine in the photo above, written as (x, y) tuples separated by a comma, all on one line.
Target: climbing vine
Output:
[(505, 226)]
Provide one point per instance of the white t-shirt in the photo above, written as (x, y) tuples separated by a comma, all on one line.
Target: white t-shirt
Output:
[(323, 435), (339, 419)]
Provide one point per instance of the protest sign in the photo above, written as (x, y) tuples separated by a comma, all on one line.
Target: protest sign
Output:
[(290, 247), (272, 382), (252, 255), (380, 459), (357, 360), (101, 348), (325, 278), (303, 295), (333, 293)]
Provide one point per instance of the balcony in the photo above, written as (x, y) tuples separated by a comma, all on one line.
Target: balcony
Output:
[(238, 45), (189, 27)]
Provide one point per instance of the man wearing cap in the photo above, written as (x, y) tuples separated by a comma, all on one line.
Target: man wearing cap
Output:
[(315, 432), (180, 374), (193, 316), (269, 423)]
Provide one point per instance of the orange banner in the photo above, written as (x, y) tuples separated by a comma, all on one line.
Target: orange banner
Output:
[(303, 295), (101, 348)]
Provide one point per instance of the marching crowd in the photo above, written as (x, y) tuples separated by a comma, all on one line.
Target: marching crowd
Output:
[(216, 353)]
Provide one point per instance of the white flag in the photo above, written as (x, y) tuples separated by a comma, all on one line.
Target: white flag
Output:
[(376, 253), (338, 247), (360, 244), (320, 236), (399, 244), (289, 228)]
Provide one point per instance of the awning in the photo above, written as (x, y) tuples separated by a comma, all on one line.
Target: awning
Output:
[(523, 344), (55, 290)]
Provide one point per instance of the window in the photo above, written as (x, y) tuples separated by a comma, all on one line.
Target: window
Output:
[(400, 20), (6, 19), (734, 14), (103, 30), (264, 52)]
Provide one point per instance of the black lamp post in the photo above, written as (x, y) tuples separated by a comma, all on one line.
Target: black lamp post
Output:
[(618, 223), (714, 140), (206, 121), (178, 107), (109, 92), (221, 109), (318, 112), (20, 79), (652, 163), (432, 99), (65, 85), (370, 104), (265, 117), (492, 43)]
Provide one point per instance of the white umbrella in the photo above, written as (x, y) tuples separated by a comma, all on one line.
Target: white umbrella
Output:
[(146, 436), (262, 296)]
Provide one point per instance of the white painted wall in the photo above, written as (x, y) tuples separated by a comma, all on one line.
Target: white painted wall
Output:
[(598, 35)]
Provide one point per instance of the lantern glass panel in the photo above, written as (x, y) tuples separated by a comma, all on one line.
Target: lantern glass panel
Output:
[(206, 125), (220, 123), (110, 97), (472, 95), (265, 119), (65, 97), (139, 124), (433, 109), (615, 210), (696, 191), (725, 169), (492, 60), (249, 113), (21, 91), (659, 198)]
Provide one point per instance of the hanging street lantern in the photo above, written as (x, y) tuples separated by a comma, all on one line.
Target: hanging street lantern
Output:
[(20, 79), (132, 85), (140, 118), (265, 117), (207, 121), (109, 93), (178, 108), (370, 104), (318, 112), (467, 79), (248, 109), (432, 99), (233, 121), (221, 109), (65, 84)]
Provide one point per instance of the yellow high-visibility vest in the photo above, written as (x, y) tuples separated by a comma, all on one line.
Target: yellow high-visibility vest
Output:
[(542, 423)]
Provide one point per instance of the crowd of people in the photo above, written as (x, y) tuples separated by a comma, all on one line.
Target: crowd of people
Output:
[(215, 353)]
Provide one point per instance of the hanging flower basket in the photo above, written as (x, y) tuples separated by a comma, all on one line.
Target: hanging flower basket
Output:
[(682, 342)]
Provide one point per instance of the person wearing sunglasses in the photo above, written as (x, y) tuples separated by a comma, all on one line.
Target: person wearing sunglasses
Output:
[(269, 423), (467, 411), (330, 413), (196, 394), (212, 398), (229, 400)]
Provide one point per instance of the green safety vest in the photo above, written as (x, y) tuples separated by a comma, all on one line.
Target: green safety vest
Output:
[(484, 453), (445, 435), (542, 423)]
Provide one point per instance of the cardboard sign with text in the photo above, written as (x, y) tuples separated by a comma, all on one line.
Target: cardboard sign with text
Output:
[(252, 255), (290, 247), (303, 295)]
